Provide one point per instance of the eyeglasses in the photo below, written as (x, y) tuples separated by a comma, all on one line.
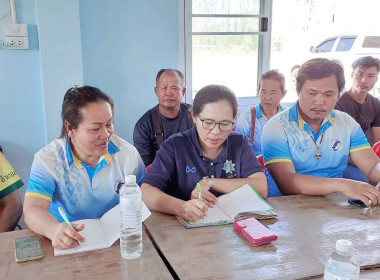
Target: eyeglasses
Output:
[(210, 124)]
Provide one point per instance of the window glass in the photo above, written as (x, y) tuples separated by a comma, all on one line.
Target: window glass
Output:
[(326, 46), (230, 60), (345, 44), (225, 42), (226, 6), (225, 24)]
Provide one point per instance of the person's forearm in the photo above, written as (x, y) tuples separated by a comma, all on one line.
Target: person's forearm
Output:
[(310, 185), (374, 174), (351, 162), (9, 217), (11, 211), (156, 200), (257, 180), (40, 221)]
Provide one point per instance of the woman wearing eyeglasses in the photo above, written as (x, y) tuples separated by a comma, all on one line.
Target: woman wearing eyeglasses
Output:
[(208, 154)]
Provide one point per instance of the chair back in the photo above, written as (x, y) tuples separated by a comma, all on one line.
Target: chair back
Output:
[(261, 161)]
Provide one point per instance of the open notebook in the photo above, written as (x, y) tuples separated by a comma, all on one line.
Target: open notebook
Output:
[(101, 233), (242, 202)]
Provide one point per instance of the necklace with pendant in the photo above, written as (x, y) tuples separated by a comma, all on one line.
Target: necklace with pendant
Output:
[(318, 154)]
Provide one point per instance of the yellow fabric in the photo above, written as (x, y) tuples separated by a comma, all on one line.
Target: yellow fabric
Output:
[(8, 175), (78, 163), (45, 197)]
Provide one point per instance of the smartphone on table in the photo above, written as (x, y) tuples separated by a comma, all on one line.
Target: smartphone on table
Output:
[(28, 248), (356, 202)]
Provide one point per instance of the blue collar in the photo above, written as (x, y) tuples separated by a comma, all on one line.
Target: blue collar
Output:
[(259, 112), (295, 116), (112, 149)]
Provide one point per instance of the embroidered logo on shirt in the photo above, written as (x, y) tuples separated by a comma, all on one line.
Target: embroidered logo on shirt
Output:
[(336, 145), (229, 167), (191, 169), (117, 186)]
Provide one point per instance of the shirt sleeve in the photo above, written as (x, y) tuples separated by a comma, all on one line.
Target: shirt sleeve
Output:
[(139, 169), (249, 163), (9, 180), (143, 142), (243, 123), (274, 144), (358, 140), (376, 122), (163, 167), (41, 184)]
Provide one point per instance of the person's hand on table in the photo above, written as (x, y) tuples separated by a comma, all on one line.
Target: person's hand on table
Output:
[(207, 197), (362, 191), (193, 210), (66, 237)]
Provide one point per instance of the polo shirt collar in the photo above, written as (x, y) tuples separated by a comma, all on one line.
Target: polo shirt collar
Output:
[(112, 149), (294, 115), (259, 112), (194, 137)]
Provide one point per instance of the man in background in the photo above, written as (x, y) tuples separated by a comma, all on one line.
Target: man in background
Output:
[(167, 118), (10, 202), (306, 147), (362, 106)]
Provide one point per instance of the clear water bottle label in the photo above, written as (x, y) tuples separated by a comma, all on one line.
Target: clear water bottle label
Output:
[(336, 270), (330, 276), (128, 204)]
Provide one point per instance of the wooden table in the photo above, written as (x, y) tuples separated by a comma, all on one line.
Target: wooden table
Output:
[(307, 226), (101, 264)]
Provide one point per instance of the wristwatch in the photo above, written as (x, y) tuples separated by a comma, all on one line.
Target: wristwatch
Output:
[(209, 182)]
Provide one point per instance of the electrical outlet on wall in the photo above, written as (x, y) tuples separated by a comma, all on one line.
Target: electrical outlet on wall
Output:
[(16, 36), (17, 43)]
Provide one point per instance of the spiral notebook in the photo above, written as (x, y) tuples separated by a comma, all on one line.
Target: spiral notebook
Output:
[(240, 203)]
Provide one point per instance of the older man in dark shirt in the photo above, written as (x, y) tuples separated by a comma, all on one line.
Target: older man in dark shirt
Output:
[(170, 115)]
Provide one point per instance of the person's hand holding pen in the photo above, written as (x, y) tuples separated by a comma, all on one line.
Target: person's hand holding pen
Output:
[(195, 208), (207, 197), (66, 234)]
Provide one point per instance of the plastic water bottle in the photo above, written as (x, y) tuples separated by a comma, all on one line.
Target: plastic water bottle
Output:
[(341, 265), (130, 219)]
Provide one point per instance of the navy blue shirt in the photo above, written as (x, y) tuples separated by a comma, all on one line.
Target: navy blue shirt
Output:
[(179, 164), (143, 135)]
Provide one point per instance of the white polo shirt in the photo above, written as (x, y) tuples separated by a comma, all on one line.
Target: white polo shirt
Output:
[(84, 193)]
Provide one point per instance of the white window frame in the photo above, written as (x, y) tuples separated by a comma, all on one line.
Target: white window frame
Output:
[(185, 41)]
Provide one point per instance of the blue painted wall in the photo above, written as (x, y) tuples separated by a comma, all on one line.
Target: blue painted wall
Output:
[(118, 46), (22, 125), (125, 43), (60, 56)]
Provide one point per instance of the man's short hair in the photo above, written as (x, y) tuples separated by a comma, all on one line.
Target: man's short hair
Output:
[(366, 62), (179, 73), (319, 68)]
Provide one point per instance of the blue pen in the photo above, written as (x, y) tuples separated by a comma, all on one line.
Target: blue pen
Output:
[(64, 217)]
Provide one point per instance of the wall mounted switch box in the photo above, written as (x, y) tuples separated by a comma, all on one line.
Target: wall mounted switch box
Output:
[(16, 36)]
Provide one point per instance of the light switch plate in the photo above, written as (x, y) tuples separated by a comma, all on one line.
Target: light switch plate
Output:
[(16, 30)]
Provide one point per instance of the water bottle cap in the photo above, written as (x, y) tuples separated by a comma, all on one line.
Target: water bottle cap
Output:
[(344, 246), (130, 179)]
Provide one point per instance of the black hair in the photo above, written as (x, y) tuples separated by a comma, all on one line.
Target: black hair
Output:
[(212, 94), (366, 62), (318, 68), (75, 99)]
